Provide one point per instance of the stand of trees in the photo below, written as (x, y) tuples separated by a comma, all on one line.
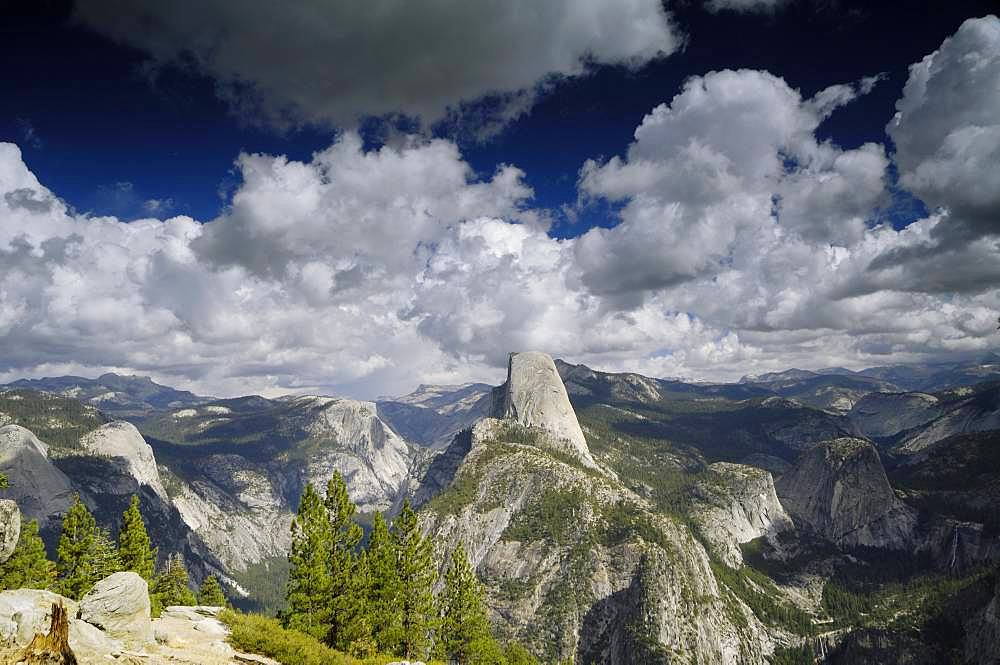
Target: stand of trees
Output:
[(87, 554), (376, 599), (380, 598)]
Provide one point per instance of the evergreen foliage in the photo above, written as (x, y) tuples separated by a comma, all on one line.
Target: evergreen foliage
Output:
[(376, 600), (384, 588), (309, 571), (464, 629), (515, 654), (416, 578), (210, 593), (349, 628), (173, 586), (134, 547), (82, 552), (107, 561), (28, 567)]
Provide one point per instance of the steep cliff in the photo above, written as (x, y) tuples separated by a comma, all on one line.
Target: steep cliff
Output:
[(735, 504), (121, 440), (349, 437), (431, 416), (534, 396), (41, 490), (840, 491), (888, 414)]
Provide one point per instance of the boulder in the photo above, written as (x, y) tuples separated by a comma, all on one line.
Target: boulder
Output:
[(88, 640), (25, 612), (119, 605), (10, 528)]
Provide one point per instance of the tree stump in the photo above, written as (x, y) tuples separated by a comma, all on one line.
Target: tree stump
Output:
[(51, 649)]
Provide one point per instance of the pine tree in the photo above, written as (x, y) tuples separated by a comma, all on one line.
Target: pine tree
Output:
[(28, 567), (210, 593), (308, 588), (384, 607), (415, 570), (133, 543), (106, 558), (76, 552), (464, 631), (348, 621), (173, 586)]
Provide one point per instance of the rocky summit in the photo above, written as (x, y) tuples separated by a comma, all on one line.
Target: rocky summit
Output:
[(534, 396)]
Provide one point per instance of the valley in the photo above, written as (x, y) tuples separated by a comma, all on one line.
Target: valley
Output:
[(613, 518)]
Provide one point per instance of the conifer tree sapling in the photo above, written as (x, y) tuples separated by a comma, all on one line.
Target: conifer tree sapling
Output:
[(384, 606), (464, 629), (172, 585)]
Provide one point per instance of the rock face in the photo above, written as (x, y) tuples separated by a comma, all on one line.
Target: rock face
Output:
[(374, 460), (119, 605), (736, 504), (42, 491), (982, 632), (534, 396), (10, 528), (567, 575), (238, 509), (122, 440), (964, 410), (887, 414), (840, 491)]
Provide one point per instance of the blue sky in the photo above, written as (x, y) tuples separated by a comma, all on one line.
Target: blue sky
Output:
[(351, 198), (89, 115)]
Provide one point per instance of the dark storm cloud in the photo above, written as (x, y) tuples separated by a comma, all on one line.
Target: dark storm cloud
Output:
[(334, 62)]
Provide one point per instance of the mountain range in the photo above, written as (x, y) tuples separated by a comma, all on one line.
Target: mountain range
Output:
[(850, 517)]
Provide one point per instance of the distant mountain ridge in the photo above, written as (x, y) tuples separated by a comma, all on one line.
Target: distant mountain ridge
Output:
[(115, 394)]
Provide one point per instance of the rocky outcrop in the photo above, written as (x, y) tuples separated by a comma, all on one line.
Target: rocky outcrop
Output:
[(10, 528), (352, 439), (982, 631), (180, 636), (534, 396), (41, 490), (577, 566), (121, 440), (839, 490), (735, 504), (966, 410), (119, 605), (25, 612)]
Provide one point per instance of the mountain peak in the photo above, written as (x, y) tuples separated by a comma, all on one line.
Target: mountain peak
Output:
[(534, 396)]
